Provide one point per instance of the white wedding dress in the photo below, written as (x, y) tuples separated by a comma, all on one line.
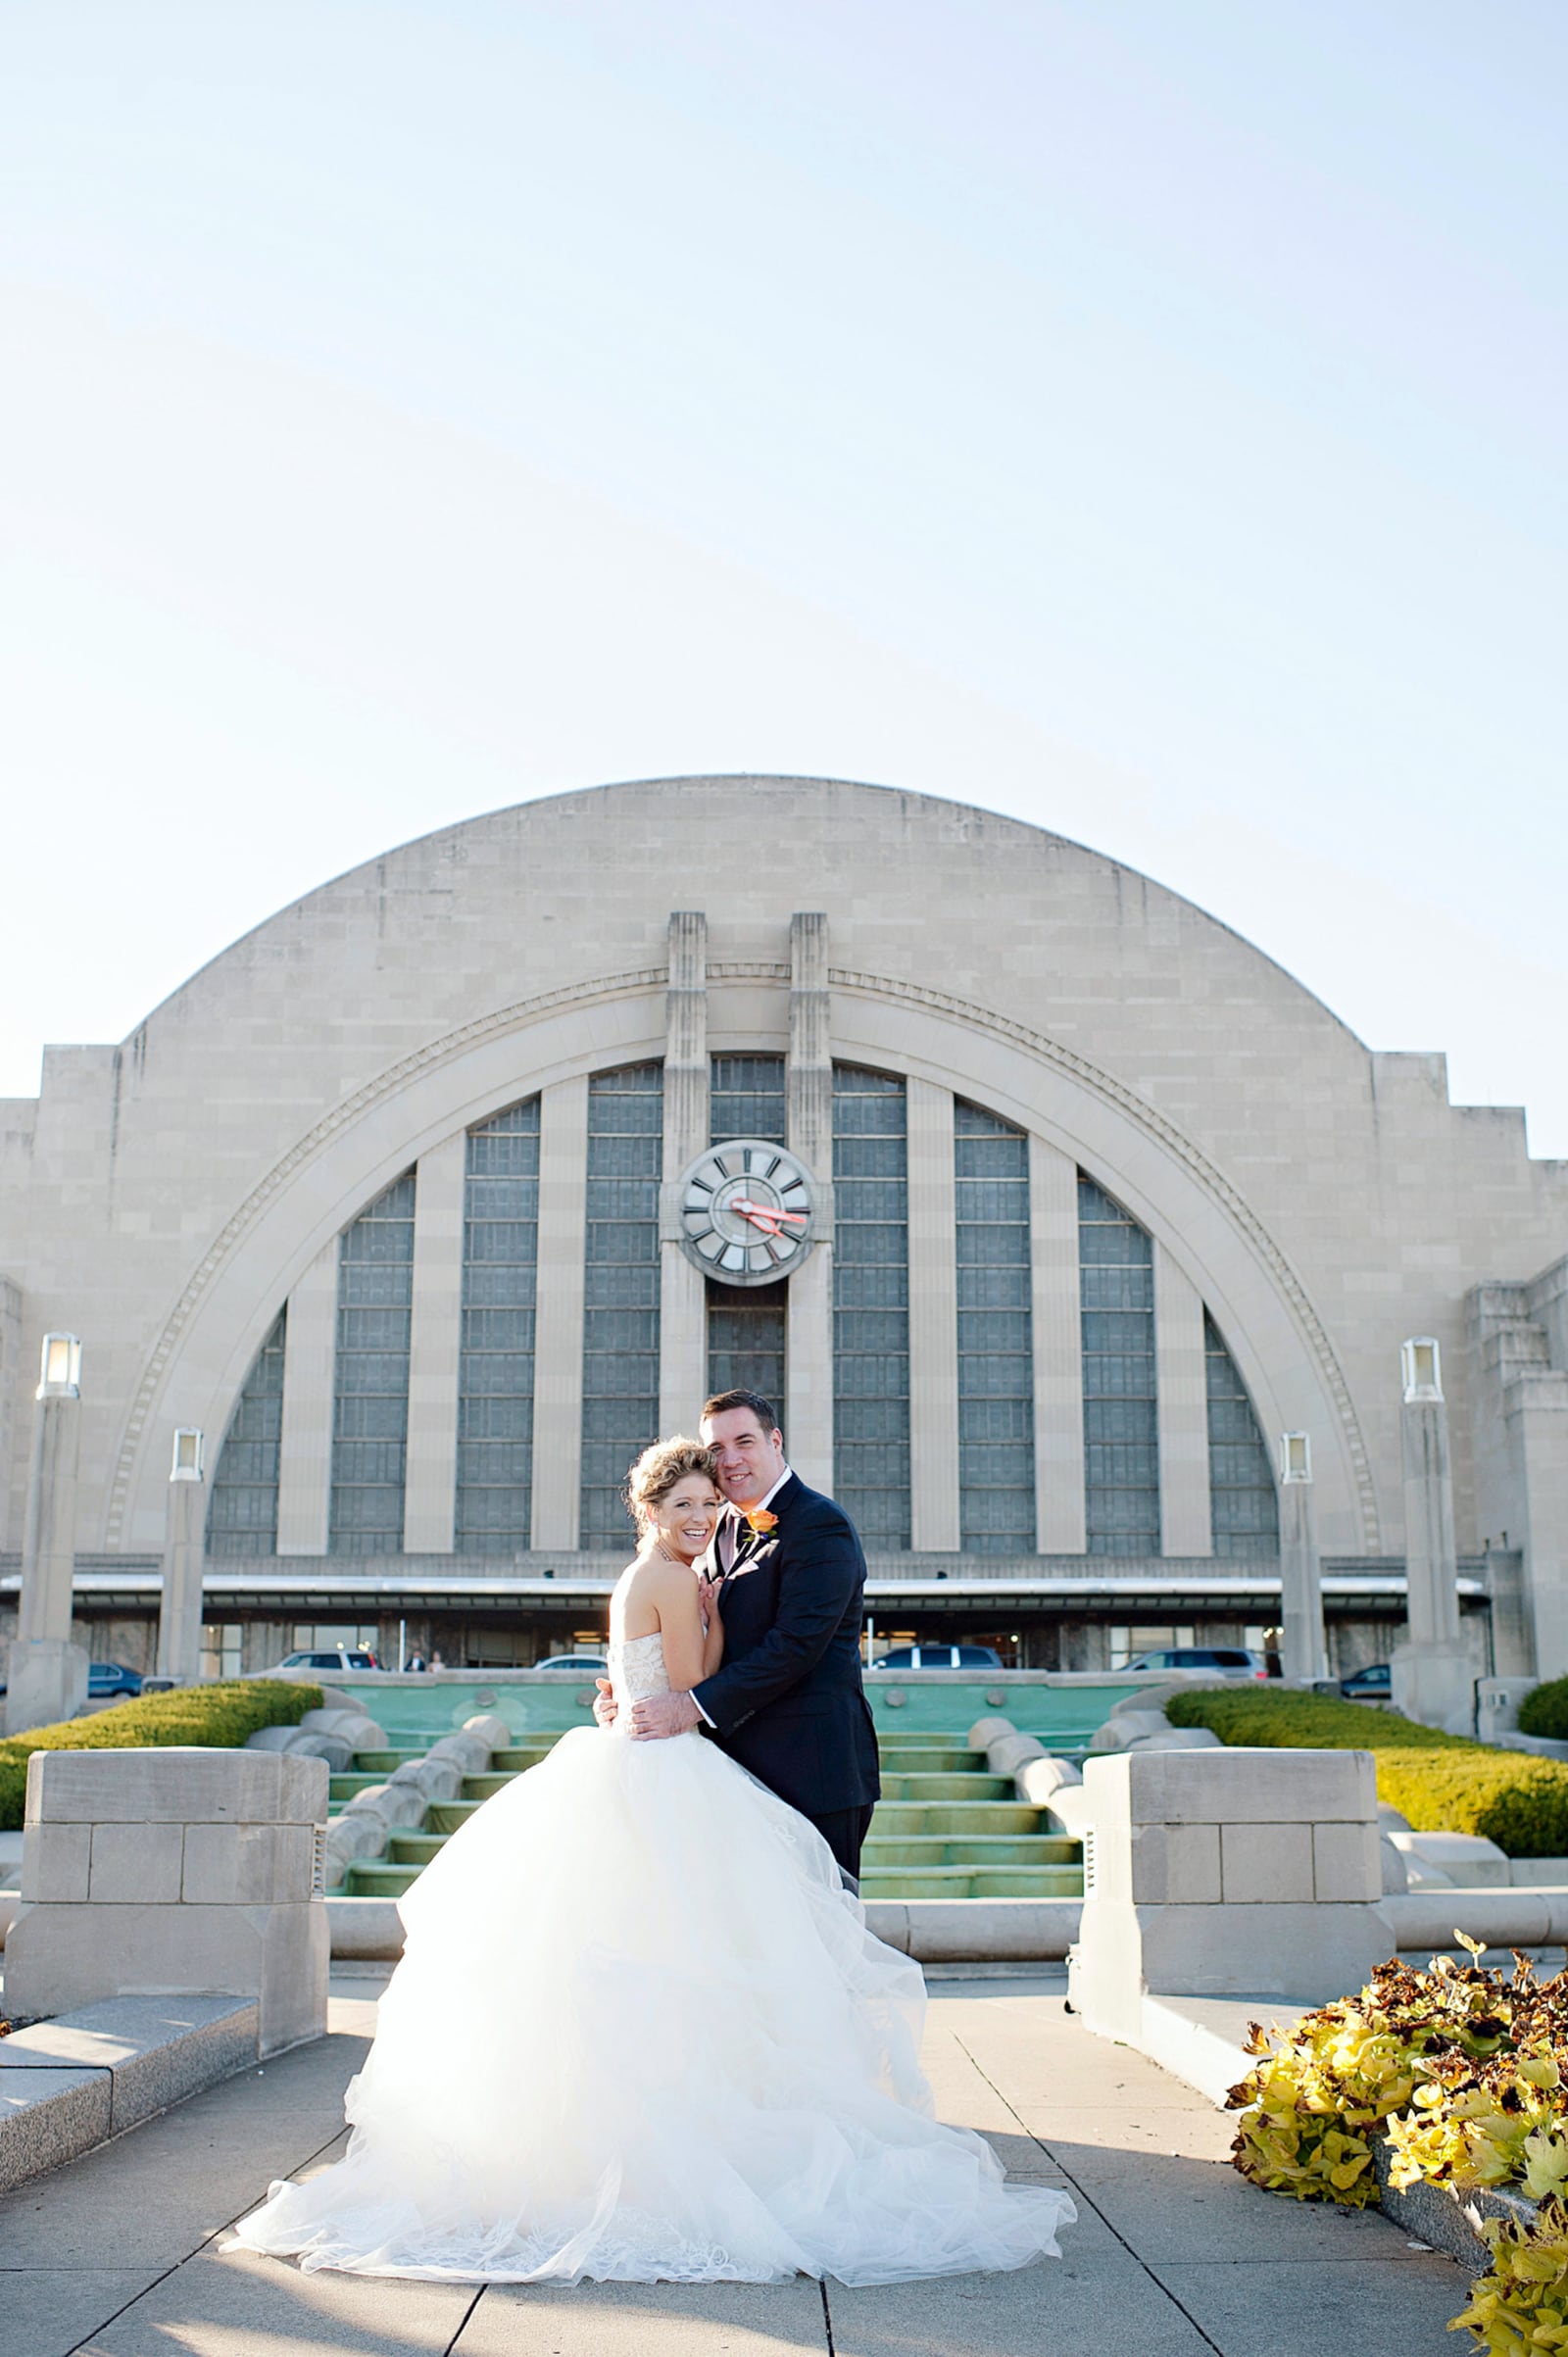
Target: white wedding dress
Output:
[(640, 2033)]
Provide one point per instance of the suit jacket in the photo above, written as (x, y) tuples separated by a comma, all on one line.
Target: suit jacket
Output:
[(788, 1702)]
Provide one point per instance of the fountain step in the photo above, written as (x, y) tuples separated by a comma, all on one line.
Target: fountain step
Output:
[(899, 1819), (930, 1759), (972, 1786), (377, 1766), (977, 1849), (983, 1882)]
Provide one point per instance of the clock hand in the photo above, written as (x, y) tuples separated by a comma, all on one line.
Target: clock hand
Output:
[(764, 1215)]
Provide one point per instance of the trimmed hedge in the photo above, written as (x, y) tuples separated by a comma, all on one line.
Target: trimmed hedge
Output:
[(1443, 1783), (1545, 1711), (215, 1717)]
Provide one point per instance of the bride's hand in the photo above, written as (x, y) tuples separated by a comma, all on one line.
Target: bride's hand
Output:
[(708, 1599), (605, 1706)]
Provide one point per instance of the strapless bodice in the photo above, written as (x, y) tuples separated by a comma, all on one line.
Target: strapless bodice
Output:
[(637, 1669)]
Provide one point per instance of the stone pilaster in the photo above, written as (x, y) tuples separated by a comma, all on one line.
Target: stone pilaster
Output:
[(934, 1520), (46, 1673), (1303, 1653), (1432, 1671), (1535, 1410), (180, 1605), (683, 1288), (558, 1328), (305, 1452), (435, 1345), (9, 1392), (1057, 1326), (1182, 1381), (809, 1404)]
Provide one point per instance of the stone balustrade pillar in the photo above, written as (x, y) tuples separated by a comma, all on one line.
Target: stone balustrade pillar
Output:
[(1433, 1673), (1216, 1873), (175, 1871)]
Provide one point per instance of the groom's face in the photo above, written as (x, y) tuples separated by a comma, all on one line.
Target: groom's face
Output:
[(749, 1459)]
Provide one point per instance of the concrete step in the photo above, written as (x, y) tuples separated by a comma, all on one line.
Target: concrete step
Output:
[(377, 1766), (526, 1755), (899, 1819), (973, 1849), (970, 1787), (445, 1816), (484, 1788), (343, 1787)]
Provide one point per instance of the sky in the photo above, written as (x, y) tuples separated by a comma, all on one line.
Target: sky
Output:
[(1142, 417)]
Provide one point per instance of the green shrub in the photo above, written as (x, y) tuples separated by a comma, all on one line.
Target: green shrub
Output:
[(1443, 1783), (215, 1717), (1546, 1710)]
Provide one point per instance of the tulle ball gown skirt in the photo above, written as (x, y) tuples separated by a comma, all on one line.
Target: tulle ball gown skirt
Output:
[(640, 2033)]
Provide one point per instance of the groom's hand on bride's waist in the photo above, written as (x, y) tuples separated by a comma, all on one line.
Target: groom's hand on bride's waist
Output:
[(663, 1714)]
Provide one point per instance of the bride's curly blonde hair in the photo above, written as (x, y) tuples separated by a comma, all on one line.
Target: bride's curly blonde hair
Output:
[(660, 1468)]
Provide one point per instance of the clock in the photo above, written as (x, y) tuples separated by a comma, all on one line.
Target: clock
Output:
[(746, 1211)]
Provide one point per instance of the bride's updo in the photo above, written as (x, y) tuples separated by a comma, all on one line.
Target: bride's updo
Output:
[(660, 1468)]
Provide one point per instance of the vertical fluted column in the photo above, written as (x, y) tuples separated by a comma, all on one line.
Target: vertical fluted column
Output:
[(180, 1605), (1058, 1324), (1304, 1651), (1181, 1378), (305, 1447), (933, 1322), (436, 1345), (1433, 1676), (809, 1405), (558, 1333), (46, 1673), (683, 1288), (9, 1392)]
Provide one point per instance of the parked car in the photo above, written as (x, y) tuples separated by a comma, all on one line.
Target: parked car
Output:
[(578, 1665), (111, 1681), (339, 1659), (940, 1658), (1225, 1661), (1373, 1684)]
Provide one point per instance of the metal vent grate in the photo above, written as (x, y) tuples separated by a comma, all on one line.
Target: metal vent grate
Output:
[(319, 1861), (1089, 1859)]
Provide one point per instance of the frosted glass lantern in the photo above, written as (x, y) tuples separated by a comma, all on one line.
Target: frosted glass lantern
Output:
[(59, 1373), (1422, 1369), (1295, 1456)]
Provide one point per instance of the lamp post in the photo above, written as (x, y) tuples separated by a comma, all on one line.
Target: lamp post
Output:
[(1303, 1654), (47, 1674), (180, 1611), (1433, 1674)]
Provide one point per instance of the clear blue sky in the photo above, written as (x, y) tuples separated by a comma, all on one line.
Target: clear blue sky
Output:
[(1147, 419)]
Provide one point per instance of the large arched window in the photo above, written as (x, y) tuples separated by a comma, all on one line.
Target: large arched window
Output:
[(1121, 1437), (496, 1373), (1244, 1505), (871, 1304), (242, 1510), (996, 1341), (371, 1402), (620, 1314)]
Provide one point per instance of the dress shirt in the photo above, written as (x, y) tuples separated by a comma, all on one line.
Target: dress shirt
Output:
[(740, 1512)]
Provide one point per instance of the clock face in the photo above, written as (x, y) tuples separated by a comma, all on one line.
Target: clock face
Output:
[(746, 1211)]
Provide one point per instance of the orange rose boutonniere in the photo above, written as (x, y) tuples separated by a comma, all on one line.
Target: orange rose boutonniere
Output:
[(759, 1519)]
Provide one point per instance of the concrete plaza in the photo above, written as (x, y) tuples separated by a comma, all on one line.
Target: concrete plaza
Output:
[(120, 2255)]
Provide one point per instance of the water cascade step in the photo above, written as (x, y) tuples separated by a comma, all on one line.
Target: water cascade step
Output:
[(946, 1826)]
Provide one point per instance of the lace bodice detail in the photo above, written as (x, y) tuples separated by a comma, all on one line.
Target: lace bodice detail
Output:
[(637, 1669)]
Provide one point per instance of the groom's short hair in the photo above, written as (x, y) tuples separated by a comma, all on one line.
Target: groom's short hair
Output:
[(723, 1402)]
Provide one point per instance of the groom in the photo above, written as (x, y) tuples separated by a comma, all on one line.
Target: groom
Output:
[(787, 1703)]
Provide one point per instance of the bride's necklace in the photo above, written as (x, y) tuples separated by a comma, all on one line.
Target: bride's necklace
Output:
[(659, 1548)]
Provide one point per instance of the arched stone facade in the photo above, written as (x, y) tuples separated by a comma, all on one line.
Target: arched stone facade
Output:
[(1315, 1202)]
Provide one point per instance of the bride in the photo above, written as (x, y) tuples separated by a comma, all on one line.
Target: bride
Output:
[(640, 2032)]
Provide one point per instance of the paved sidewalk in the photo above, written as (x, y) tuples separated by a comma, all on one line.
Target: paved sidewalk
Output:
[(118, 2255)]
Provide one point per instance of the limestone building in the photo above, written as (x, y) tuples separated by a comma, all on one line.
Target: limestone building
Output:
[(1044, 1203)]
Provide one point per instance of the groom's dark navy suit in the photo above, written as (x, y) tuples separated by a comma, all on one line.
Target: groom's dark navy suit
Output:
[(788, 1702)]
